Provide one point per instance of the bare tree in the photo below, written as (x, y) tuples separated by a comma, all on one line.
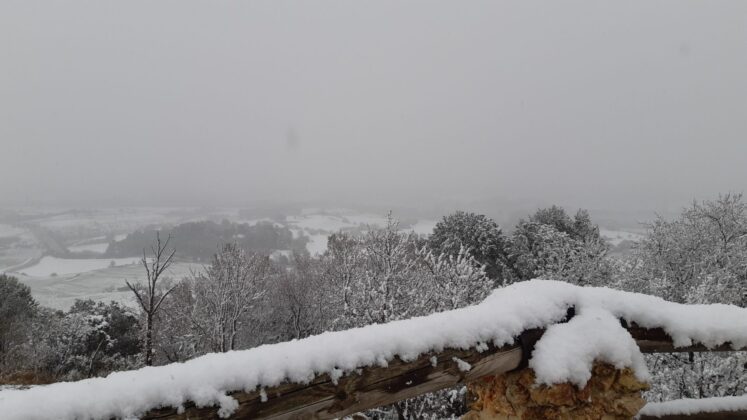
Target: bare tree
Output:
[(148, 295)]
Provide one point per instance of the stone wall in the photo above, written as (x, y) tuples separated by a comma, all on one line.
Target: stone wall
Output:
[(609, 394)]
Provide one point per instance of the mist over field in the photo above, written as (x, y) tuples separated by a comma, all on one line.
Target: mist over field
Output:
[(634, 105), (321, 188)]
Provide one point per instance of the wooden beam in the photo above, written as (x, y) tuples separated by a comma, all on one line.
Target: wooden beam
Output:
[(376, 386), (721, 415), (371, 387), (655, 340)]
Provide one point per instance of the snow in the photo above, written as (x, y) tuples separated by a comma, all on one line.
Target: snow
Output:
[(252, 222), (461, 364), (565, 353), (99, 247), (62, 266), (424, 227), (692, 406), (279, 253), (7, 231), (104, 285), (106, 219), (323, 222), (615, 237), (367, 219), (317, 244)]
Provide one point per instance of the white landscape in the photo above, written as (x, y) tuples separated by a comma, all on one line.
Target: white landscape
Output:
[(98, 248), (52, 266), (373, 210), (563, 354), (57, 281)]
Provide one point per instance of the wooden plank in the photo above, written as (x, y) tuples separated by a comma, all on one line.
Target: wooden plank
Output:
[(378, 386), (371, 387), (656, 340)]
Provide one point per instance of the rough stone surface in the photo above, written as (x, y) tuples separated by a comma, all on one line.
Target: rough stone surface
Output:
[(610, 394)]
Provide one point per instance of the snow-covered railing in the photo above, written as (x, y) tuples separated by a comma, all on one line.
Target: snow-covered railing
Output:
[(717, 408), (325, 398), (555, 328), (379, 386)]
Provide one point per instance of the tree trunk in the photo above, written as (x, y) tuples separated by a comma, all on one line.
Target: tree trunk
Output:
[(148, 339)]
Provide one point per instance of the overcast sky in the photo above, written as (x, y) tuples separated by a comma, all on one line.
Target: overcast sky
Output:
[(591, 102)]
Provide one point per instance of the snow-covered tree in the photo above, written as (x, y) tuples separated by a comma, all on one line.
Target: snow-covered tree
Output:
[(698, 257), (302, 299), (342, 263), (179, 337), (225, 292), (91, 339), (477, 233), (579, 228), (540, 250), (384, 275), (456, 281), (17, 307)]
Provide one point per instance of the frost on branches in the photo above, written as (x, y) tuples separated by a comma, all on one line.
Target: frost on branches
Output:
[(593, 334), (699, 257)]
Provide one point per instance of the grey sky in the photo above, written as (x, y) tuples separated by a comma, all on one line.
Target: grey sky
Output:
[(589, 102)]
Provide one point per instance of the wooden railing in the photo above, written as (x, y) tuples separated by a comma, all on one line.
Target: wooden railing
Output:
[(722, 415), (373, 387)]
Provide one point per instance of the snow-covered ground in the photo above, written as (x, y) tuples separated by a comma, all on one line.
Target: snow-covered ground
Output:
[(49, 266), (615, 237), (107, 219), (366, 219), (253, 222), (317, 244), (99, 247), (287, 253), (424, 227), (7, 231), (88, 230), (565, 353), (323, 222), (84, 226), (106, 284)]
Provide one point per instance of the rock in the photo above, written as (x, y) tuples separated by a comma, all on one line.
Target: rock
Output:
[(610, 394)]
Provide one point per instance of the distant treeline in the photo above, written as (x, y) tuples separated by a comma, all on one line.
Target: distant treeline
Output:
[(200, 240)]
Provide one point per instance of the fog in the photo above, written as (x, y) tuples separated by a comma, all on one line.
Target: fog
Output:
[(638, 104)]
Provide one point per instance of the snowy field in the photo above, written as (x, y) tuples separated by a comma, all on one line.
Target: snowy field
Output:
[(49, 266), (317, 243), (57, 282), (7, 231), (104, 284), (99, 247), (424, 227), (108, 219), (318, 224), (615, 237), (323, 222)]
